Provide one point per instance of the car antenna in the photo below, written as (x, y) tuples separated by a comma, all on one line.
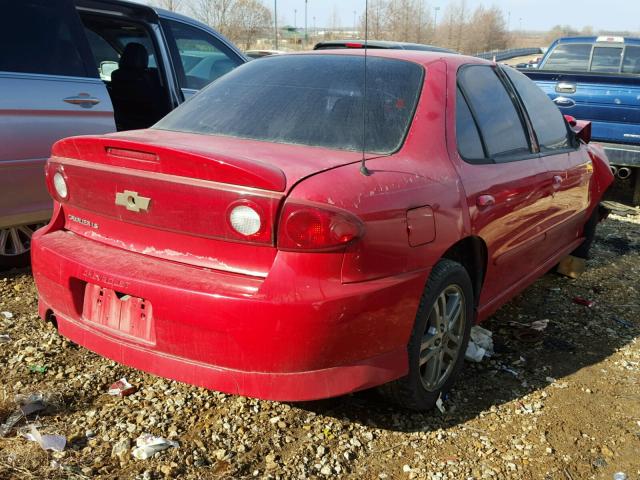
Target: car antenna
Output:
[(363, 166)]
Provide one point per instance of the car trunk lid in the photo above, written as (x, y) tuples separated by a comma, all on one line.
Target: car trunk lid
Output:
[(169, 194)]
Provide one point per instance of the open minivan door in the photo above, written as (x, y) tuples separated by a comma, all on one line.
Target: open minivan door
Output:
[(51, 89)]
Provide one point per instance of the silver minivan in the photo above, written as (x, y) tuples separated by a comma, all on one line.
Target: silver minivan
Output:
[(74, 67)]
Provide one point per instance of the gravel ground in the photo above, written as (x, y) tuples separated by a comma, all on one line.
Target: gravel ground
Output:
[(563, 406)]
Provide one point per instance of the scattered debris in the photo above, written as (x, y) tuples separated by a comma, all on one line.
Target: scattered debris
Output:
[(5, 339), (148, 445), (122, 388), (27, 405), (7, 315), (38, 368), (480, 344), (509, 370), (584, 301), (47, 442), (540, 325), (620, 476), (621, 321), (571, 266), (440, 404)]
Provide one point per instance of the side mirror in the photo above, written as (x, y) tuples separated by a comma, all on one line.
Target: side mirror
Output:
[(583, 130), (106, 69)]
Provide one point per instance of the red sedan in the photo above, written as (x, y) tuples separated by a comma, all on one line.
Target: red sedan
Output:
[(246, 244)]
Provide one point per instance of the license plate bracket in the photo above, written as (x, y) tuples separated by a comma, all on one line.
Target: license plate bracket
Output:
[(119, 314)]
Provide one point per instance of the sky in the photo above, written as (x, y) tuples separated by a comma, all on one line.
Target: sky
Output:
[(535, 14)]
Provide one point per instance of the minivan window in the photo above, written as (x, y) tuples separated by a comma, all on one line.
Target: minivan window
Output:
[(546, 119), (569, 57), (314, 100), (606, 59), (495, 112), (41, 36)]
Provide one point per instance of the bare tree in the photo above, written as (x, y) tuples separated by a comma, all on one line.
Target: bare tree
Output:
[(243, 21), (173, 5), (249, 20)]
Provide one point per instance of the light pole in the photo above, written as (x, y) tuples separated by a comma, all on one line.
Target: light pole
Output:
[(354, 24), (315, 30), (306, 34), (295, 26), (508, 21), (435, 17), (275, 21)]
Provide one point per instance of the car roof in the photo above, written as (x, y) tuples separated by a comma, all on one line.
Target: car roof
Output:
[(383, 44), (594, 39)]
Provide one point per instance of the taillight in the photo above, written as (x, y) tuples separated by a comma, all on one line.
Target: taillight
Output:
[(57, 182), (308, 227)]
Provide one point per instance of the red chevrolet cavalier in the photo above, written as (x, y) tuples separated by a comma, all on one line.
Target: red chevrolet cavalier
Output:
[(246, 243)]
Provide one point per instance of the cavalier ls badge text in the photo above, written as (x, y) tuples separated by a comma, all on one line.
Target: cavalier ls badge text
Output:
[(132, 201), (83, 221)]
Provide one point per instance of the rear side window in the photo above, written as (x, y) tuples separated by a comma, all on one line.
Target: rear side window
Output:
[(45, 37), (631, 61), (315, 100), (467, 136), (545, 117), (569, 57), (606, 59), (495, 112)]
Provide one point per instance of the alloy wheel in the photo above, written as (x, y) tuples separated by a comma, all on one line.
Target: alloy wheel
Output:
[(442, 340), (16, 241)]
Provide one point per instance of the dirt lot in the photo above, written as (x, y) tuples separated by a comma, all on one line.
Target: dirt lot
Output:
[(506, 418)]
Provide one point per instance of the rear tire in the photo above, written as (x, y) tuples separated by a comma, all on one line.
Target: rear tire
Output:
[(438, 340)]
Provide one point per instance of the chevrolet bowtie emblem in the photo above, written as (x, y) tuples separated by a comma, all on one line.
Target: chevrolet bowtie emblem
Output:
[(132, 201)]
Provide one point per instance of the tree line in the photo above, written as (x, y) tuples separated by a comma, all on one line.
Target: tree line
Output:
[(459, 26)]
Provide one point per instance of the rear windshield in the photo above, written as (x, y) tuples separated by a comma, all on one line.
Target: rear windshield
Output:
[(570, 57), (314, 100)]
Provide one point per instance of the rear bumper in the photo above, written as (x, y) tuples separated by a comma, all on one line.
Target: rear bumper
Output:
[(620, 154), (290, 337)]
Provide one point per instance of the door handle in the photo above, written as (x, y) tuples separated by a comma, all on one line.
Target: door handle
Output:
[(485, 201), (557, 181), (83, 99), (564, 102), (565, 87)]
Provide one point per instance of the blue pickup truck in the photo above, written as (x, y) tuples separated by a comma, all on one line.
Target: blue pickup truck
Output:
[(598, 79)]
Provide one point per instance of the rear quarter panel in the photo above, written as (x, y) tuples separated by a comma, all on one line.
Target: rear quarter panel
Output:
[(420, 174)]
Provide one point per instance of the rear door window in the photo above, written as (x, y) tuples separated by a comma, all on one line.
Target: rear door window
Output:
[(315, 100), (497, 117), (546, 119), (201, 57), (569, 57), (44, 37), (631, 61), (467, 135), (606, 59)]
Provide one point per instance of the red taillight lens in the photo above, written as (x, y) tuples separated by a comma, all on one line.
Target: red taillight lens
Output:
[(307, 227)]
